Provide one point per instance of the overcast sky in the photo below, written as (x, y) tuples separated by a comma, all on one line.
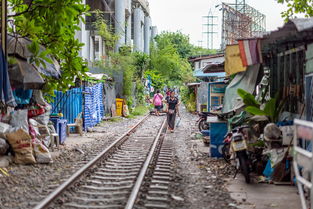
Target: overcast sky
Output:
[(187, 15)]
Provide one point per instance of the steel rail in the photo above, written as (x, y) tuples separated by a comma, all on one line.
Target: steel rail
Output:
[(135, 191), (50, 198)]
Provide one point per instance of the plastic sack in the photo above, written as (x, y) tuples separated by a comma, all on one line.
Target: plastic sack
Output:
[(20, 119), (21, 143), (42, 153), (272, 132), (4, 128), (125, 111), (277, 155), (5, 118), (44, 118), (35, 111), (3, 146), (288, 134), (38, 98), (34, 124)]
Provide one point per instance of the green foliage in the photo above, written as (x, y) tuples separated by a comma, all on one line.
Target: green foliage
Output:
[(125, 65), (158, 81), (170, 65), (248, 99), (179, 41), (188, 98), (272, 108), (139, 110), (142, 62), (53, 24), (297, 7), (140, 94), (202, 51), (105, 32)]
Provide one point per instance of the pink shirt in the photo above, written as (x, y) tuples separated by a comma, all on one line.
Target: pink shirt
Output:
[(158, 99)]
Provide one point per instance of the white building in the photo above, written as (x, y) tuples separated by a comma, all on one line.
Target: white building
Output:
[(131, 22)]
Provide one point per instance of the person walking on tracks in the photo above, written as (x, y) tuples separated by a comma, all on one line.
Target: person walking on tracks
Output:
[(172, 110), (157, 101)]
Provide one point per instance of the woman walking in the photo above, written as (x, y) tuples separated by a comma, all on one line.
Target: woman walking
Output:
[(172, 109), (157, 101)]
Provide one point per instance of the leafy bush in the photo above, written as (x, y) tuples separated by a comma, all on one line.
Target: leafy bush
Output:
[(271, 108)]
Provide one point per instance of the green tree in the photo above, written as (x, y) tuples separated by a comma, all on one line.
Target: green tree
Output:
[(53, 24), (297, 7), (169, 59), (178, 40), (142, 62), (202, 51)]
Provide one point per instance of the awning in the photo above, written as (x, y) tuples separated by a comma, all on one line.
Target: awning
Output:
[(200, 73), (243, 80), (193, 84)]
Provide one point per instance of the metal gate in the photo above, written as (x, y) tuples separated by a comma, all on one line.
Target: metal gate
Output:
[(303, 160)]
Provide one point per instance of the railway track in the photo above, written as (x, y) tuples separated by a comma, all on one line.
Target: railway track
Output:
[(133, 171)]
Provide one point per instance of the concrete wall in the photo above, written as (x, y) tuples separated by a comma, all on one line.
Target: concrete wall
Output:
[(143, 32)]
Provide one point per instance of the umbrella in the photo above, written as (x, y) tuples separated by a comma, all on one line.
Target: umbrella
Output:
[(24, 76), (18, 47)]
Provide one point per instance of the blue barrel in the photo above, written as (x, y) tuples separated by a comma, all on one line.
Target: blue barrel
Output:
[(217, 132), (60, 128)]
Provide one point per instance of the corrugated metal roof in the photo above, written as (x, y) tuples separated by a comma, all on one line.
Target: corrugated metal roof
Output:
[(302, 24), (295, 30)]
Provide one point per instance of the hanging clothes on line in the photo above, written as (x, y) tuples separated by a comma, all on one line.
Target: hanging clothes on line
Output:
[(6, 94)]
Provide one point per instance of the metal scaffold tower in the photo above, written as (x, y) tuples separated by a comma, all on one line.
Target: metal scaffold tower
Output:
[(241, 21), (210, 29)]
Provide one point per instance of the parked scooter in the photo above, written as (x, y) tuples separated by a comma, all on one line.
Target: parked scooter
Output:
[(235, 150), (203, 116), (202, 121)]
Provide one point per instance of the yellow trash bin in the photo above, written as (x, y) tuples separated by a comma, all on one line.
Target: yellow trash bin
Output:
[(119, 106)]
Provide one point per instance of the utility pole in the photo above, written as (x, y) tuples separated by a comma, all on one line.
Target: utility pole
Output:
[(210, 27)]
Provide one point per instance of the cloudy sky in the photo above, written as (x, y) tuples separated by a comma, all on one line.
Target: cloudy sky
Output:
[(187, 15)]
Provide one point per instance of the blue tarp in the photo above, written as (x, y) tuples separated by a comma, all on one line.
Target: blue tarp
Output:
[(69, 103), (94, 108)]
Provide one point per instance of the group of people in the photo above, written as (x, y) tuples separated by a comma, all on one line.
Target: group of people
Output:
[(172, 104)]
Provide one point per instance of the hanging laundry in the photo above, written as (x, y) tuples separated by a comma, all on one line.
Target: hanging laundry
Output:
[(250, 52), (6, 95)]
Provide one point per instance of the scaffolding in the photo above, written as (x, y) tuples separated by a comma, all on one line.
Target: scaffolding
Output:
[(239, 21)]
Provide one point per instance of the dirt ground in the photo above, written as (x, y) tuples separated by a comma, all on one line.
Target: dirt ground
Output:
[(199, 182), (29, 184), (205, 182)]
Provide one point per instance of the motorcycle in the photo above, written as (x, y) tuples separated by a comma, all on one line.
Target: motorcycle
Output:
[(203, 116), (202, 121), (235, 151)]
